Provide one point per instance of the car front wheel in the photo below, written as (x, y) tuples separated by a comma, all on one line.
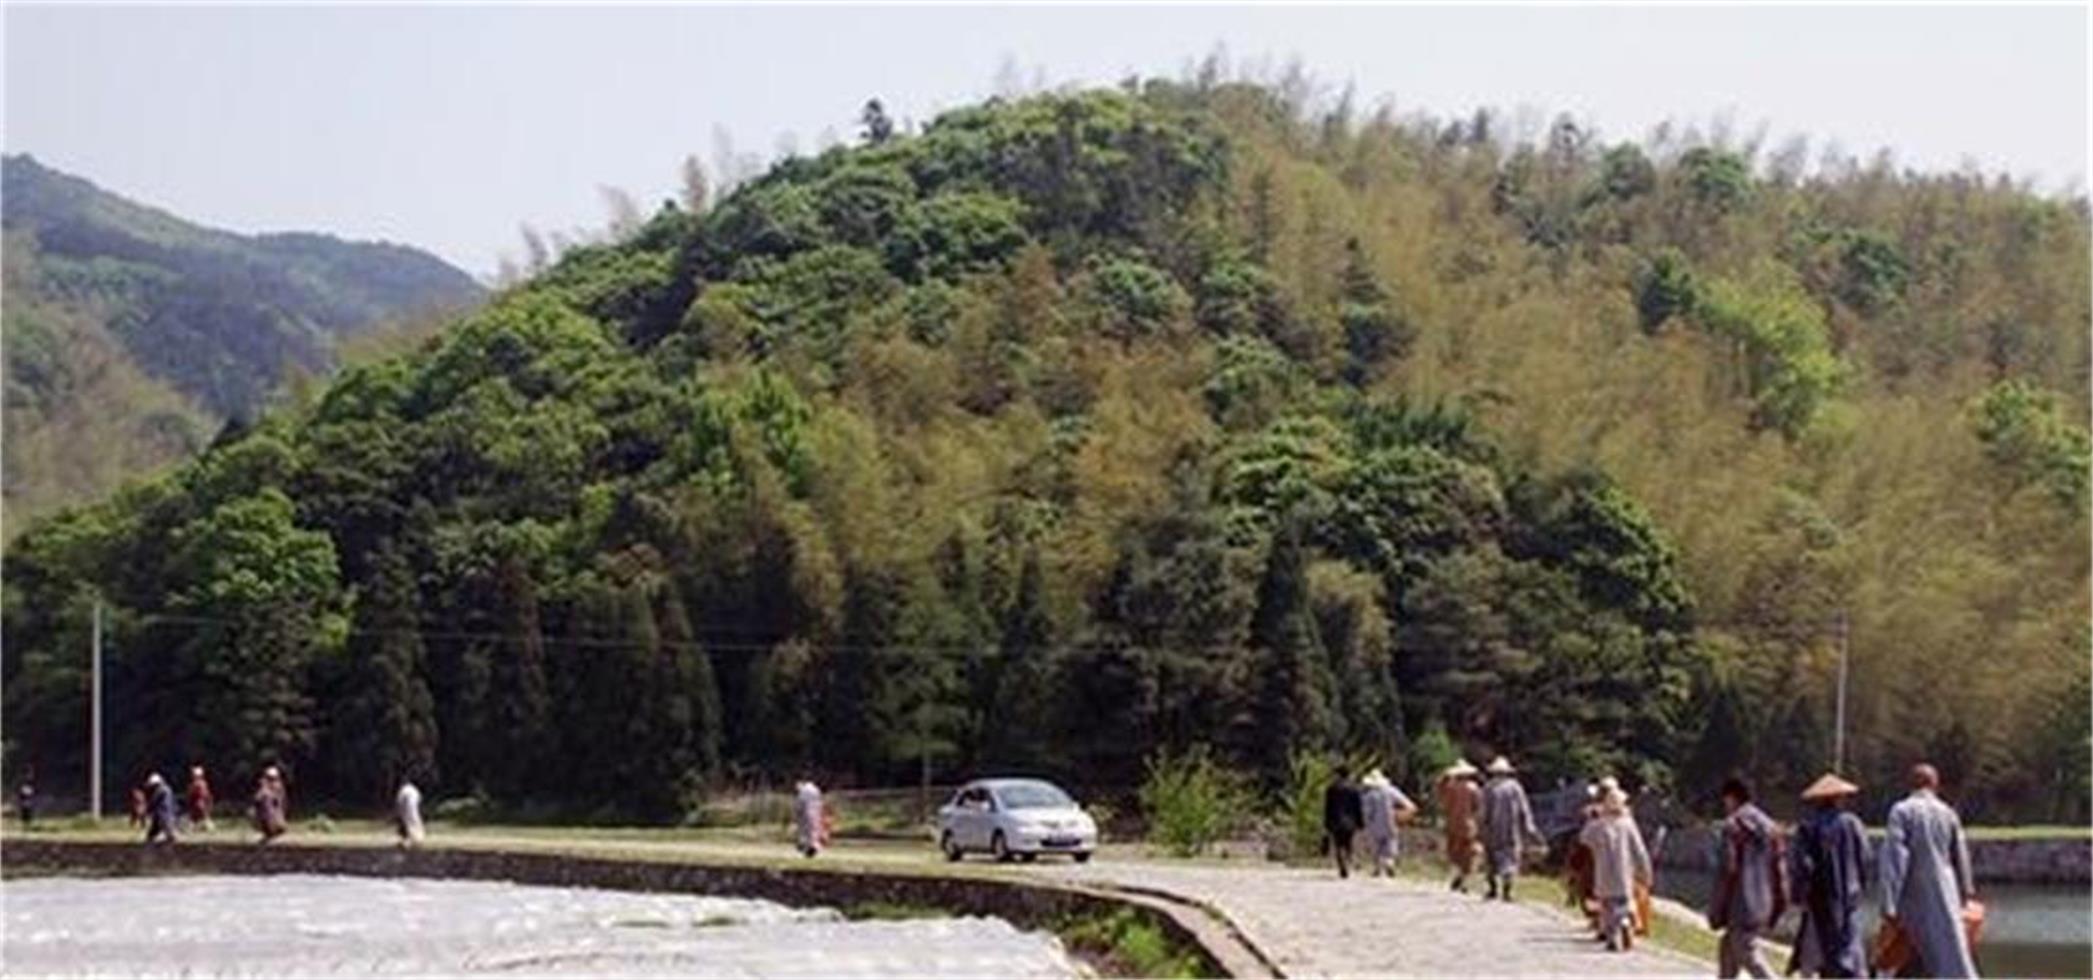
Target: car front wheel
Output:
[(1000, 848), (947, 844), (1082, 857)]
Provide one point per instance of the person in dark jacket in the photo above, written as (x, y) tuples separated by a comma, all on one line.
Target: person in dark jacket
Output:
[(1344, 812), (25, 800), (1744, 892), (1826, 864), (160, 812)]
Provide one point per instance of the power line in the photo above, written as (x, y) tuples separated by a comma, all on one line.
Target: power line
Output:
[(554, 639)]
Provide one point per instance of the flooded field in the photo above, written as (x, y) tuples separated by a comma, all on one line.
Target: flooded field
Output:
[(2029, 931), (320, 926)]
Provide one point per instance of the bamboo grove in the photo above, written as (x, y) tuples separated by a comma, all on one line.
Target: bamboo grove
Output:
[(1077, 426)]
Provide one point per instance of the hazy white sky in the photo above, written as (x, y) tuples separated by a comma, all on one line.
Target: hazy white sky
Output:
[(447, 127)]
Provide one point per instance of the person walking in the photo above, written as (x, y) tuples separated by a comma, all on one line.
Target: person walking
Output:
[(198, 800), (407, 813), (1507, 821), (25, 799), (1460, 806), (1747, 894), (160, 811), (271, 808), (1927, 889), (1620, 863), (1383, 809), (1827, 863), (138, 804), (1577, 864), (1343, 814), (809, 825)]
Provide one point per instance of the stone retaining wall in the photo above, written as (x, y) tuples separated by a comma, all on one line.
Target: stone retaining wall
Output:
[(2032, 862), (1028, 904)]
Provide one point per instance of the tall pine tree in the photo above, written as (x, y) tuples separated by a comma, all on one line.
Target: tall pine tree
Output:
[(1016, 721), (1295, 704), (386, 732)]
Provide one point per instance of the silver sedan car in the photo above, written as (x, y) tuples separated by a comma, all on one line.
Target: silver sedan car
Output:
[(1014, 819)]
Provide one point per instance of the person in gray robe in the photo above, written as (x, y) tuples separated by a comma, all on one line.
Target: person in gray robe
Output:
[(1926, 878), (1507, 822), (1744, 905), (809, 826), (1384, 807), (407, 814), (1826, 866), (1620, 861)]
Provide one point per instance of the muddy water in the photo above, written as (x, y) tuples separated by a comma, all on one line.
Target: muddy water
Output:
[(321, 926)]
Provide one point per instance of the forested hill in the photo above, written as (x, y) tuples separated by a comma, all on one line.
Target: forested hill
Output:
[(1082, 426), (132, 333)]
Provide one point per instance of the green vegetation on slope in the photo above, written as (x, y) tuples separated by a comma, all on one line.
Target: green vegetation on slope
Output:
[(132, 333), (1083, 426)]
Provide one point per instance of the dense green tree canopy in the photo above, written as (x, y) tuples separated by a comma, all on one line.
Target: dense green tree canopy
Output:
[(1080, 426)]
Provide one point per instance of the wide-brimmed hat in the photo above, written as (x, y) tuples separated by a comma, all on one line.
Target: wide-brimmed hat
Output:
[(1829, 787), (1608, 784), (153, 779), (1459, 769), (1499, 766), (1375, 777)]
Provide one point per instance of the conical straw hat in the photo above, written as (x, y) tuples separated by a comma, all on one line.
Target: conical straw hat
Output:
[(1829, 787)]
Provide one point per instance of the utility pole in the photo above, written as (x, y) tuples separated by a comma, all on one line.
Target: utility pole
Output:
[(94, 775), (1838, 737)]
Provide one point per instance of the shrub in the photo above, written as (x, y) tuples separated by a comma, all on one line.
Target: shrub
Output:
[(1190, 801), (1134, 946)]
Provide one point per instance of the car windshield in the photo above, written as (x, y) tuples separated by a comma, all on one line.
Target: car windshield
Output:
[(1032, 796)]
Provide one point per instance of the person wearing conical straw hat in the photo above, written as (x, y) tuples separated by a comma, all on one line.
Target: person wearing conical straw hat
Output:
[(1507, 821), (1384, 807), (1620, 862), (1460, 807), (1827, 864)]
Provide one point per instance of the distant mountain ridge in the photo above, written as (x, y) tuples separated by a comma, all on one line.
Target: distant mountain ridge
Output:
[(130, 331), (218, 315)]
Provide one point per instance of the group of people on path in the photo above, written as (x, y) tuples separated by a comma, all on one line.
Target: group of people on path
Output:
[(1492, 821), (1373, 807), (155, 807), (1929, 910)]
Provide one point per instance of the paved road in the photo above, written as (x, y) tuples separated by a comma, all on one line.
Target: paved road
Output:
[(1312, 925)]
